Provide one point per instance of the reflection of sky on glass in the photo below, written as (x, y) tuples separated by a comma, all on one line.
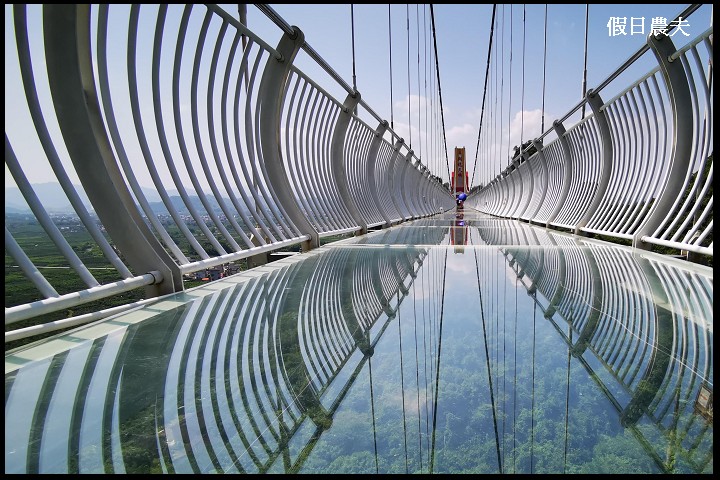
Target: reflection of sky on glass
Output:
[(545, 358)]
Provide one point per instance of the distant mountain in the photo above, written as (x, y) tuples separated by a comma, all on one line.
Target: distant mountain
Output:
[(179, 204), (16, 209), (53, 198)]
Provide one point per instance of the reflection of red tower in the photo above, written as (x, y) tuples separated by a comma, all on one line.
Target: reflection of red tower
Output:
[(459, 177), (459, 233)]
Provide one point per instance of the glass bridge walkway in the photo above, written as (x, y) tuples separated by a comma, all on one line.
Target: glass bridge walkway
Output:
[(184, 141), (456, 343)]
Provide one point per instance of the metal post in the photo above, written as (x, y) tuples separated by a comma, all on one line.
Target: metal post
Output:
[(567, 170), (270, 94), (517, 174), (403, 169), (339, 172), (394, 184), (682, 108), (543, 164), (596, 303), (526, 161), (596, 104), (556, 298), (424, 194), (370, 169), (72, 86), (658, 368)]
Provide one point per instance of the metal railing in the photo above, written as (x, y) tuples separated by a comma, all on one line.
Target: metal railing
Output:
[(652, 363), (183, 142), (260, 396), (639, 167)]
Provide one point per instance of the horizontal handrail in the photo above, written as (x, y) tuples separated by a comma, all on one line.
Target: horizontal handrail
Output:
[(638, 167), (186, 103)]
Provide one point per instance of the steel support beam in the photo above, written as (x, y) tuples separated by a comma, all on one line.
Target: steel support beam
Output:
[(681, 103), (339, 172), (270, 100), (77, 107), (567, 170), (596, 104)]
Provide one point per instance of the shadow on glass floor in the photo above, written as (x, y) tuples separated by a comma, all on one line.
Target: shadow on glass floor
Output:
[(456, 344)]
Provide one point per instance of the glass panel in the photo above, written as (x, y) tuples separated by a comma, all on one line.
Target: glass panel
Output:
[(458, 344)]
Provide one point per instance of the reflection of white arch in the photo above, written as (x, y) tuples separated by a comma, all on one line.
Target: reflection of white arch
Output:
[(627, 311), (227, 392), (638, 168)]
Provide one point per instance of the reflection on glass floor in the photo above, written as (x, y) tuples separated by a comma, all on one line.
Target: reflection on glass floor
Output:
[(460, 343)]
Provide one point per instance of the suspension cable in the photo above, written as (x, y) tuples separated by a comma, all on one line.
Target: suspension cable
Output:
[(437, 366), (372, 408), (502, 90), (584, 82), (402, 384), (482, 109), (542, 121), (352, 30), (425, 67), (522, 98), (487, 363), (392, 123), (417, 374), (567, 399), (437, 68), (417, 28), (515, 377), (510, 81), (532, 400), (407, 24)]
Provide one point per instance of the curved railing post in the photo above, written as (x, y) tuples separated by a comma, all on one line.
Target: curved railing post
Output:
[(394, 180), (596, 103), (370, 169), (508, 191), (404, 166), (70, 74), (413, 187), (270, 102), (298, 379), (659, 365), (596, 306), (567, 170), (425, 192), (515, 211), (531, 186), (556, 297), (338, 159), (681, 103), (349, 316), (543, 163)]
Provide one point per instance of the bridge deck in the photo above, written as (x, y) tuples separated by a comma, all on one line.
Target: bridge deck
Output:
[(454, 343)]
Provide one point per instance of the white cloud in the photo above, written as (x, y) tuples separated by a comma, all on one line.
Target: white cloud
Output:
[(497, 152), (418, 103), (526, 122)]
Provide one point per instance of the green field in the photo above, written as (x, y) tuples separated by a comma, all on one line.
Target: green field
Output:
[(31, 237)]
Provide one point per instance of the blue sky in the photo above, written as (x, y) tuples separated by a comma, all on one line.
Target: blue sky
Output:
[(462, 41)]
